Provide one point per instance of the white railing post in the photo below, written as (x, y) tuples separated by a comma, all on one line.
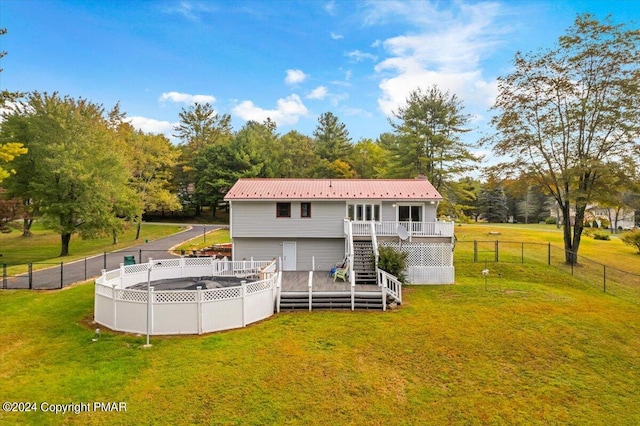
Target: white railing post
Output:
[(199, 310), (182, 262), (121, 274), (310, 290), (243, 293), (115, 310), (313, 263), (278, 290)]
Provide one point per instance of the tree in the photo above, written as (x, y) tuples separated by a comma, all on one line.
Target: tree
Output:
[(200, 127), (428, 137), (369, 159), (566, 115), (152, 159), (332, 138), (492, 203), (75, 170), (293, 156)]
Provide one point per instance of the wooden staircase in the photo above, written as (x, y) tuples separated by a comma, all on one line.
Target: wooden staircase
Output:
[(363, 262)]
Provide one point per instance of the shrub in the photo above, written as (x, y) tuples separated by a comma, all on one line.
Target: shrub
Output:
[(632, 238), (599, 235), (550, 220), (604, 222), (587, 224), (393, 262), (595, 224)]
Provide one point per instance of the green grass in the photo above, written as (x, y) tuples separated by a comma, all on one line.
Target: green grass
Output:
[(212, 237), (613, 253), (44, 245), (513, 353)]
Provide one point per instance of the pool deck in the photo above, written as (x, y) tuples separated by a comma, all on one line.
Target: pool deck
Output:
[(322, 282)]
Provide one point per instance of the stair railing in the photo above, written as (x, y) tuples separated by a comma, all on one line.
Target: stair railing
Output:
[(352, 272), (310, 291), (390, 284), (374, 244)]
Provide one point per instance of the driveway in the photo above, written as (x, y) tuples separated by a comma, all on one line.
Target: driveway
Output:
[(81, 270)]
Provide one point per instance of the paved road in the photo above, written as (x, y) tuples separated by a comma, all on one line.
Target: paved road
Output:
[(88, 268)]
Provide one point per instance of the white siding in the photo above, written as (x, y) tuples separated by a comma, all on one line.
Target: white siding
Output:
[(258, 219), (326, 251)]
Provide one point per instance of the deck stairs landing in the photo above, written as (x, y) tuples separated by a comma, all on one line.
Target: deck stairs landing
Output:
[(363, 262), (366, 300)]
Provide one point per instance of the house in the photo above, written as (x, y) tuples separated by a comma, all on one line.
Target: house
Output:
[(621, 218), (312, 224)]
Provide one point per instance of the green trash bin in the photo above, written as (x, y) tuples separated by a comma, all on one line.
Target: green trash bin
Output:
[(129, 260)]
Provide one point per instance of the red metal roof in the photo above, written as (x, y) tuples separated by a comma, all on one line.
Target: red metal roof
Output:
[(333, 189)]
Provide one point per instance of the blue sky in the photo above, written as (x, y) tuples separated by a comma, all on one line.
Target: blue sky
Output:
[(287, 60)]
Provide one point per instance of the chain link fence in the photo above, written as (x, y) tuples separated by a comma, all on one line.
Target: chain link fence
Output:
[(609, 279)]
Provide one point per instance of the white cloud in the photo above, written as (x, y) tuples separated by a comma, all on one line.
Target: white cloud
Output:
[(151, 125), (186, 98), (319, 93), (336, 36), (295, 77), (359, 56), (330, 7), (288, 111), (192, 10), (448, 54), (356, 112)]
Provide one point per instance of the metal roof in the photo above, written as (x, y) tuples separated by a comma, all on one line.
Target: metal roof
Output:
[(333, 189)]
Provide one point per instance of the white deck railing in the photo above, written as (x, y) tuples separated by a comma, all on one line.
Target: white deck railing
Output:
[(414, 229), (185, 311)]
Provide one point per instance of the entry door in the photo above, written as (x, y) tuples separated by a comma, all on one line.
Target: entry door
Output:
[(288, 256)]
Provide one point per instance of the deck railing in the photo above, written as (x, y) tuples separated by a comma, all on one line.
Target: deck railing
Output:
[(415, 229)]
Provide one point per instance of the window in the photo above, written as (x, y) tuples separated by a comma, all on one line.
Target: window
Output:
[(283, 209), (410, 213), (361, 212), (305, 209)]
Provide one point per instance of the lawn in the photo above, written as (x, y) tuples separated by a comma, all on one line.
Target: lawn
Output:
[(510, 352), (612, 253), (212, 237)]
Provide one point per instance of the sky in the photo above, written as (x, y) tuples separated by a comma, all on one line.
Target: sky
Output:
[(287, 60)]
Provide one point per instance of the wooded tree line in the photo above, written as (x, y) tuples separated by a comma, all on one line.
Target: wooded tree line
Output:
[(567, 119)]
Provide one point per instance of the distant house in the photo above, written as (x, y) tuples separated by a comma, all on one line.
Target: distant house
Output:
[(617, 218), (312, 224)]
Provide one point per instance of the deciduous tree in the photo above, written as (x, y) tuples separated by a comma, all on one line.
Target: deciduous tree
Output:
[(566, 114)]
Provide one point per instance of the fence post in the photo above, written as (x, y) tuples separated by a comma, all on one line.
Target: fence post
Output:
[(199, 301), (4, 275), (30, 275), (496, 256), (61, 274), (549, 255), (139, 255), (104, 260), (85, 268), (475, 251), (604, 278)]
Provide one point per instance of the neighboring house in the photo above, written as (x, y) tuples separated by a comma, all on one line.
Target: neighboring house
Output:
[(312, 224), (618, 218)]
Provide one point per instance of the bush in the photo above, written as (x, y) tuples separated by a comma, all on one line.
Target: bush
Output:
[(595, 224), (587, 224), (550, 220), (393, 262), (632, 238), (599, 235), (604, 222)]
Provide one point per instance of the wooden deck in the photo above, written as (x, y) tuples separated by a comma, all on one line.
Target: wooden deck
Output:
[(322, 282)]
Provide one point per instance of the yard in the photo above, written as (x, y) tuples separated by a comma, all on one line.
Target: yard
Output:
[(532, 345)]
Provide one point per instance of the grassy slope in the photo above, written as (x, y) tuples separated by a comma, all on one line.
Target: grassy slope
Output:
[(515, 353)]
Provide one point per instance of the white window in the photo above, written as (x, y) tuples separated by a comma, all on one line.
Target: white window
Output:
[(362, 212)]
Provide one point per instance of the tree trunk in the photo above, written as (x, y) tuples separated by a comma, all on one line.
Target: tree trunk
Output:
[(138, 228), (65, 238), (198, 209), (26, 227), (114, 233), (566, 231)]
